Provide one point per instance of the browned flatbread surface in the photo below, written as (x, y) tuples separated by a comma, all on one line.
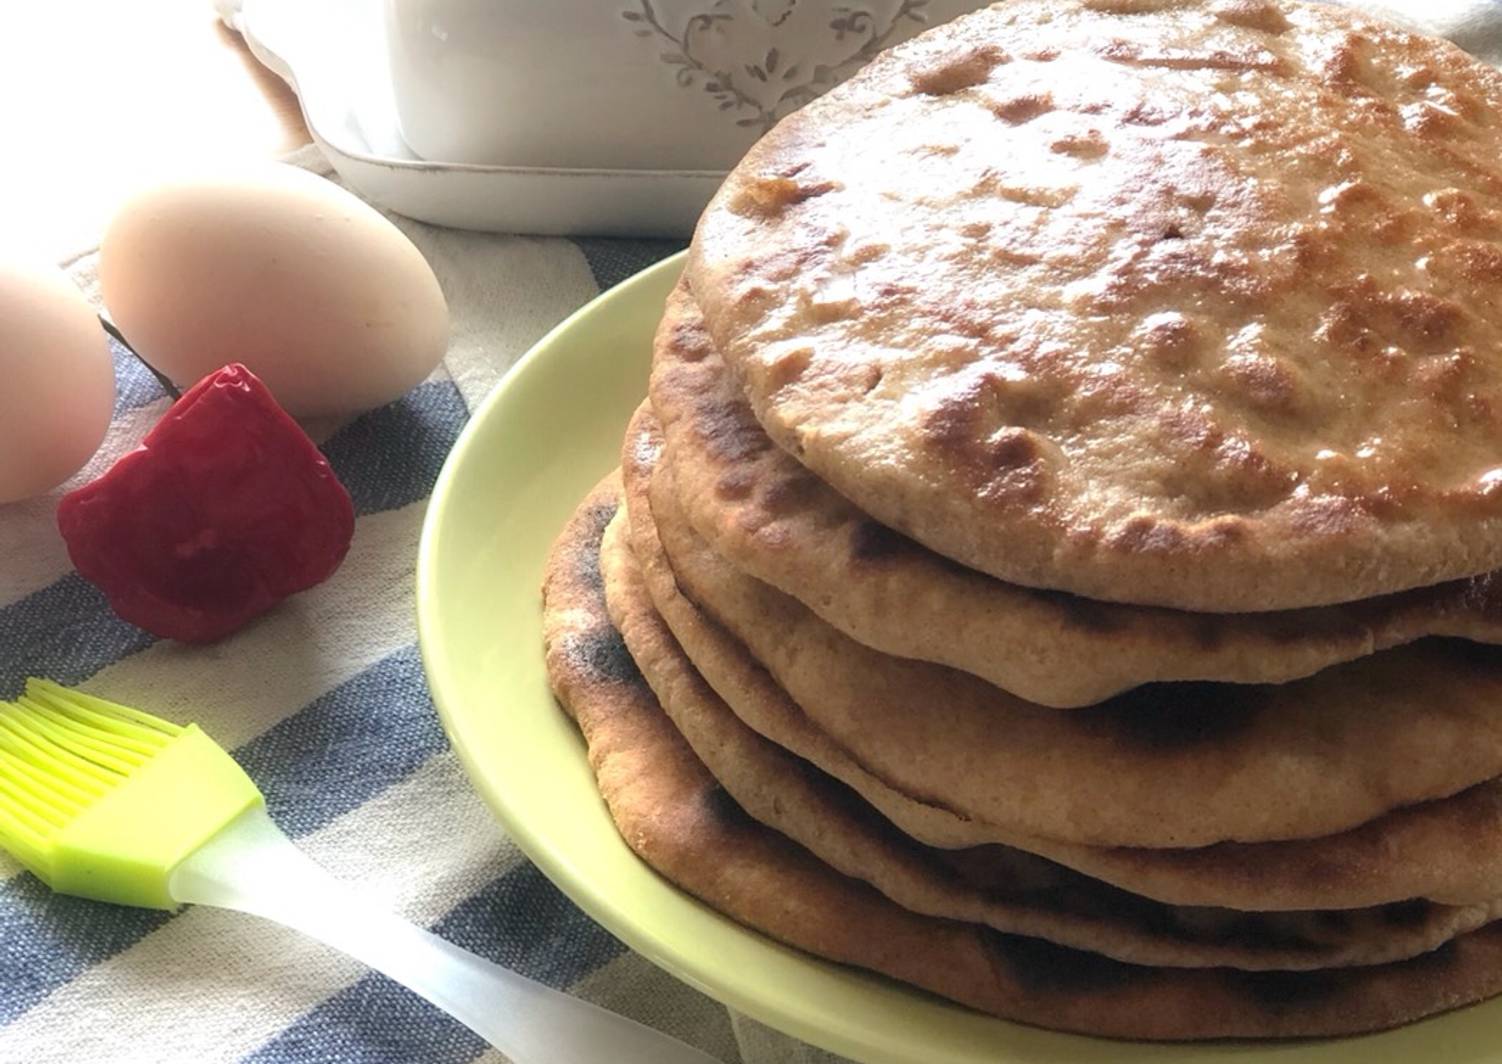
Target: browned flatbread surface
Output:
[(1161, 766), (1189, 304), (673, 813), (771, 517), (1448, 850), (1000, 887)]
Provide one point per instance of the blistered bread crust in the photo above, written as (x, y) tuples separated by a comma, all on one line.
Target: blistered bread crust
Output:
[(1175, 303)]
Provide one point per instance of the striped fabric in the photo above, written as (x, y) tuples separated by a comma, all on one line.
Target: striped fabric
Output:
[(324, 703)]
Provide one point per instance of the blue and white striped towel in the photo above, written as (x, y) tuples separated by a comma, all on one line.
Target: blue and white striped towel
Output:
[(324, 703)]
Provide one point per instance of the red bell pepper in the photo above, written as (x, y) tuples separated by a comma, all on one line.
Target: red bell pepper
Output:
[(224, 510)]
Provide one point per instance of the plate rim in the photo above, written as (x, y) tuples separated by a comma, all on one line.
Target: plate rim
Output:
[(840, 1035)]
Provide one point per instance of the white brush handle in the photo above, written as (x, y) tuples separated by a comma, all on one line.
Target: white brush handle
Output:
[(252, 867)]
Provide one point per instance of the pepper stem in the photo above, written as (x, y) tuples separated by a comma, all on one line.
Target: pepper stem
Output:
[(119, 338)]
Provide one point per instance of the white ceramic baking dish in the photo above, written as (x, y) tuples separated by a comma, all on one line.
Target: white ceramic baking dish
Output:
[(625, 84), (606, 117)]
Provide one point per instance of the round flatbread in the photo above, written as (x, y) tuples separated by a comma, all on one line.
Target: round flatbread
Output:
[(1448, 850), (1003, 888), (1188, 304), (676, 816), (1163, 765), (768, 515)]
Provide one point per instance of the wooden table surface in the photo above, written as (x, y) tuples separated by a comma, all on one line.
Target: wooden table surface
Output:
[(99, 96)]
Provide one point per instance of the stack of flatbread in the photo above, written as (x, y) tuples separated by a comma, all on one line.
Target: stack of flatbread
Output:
[(1053, 565)]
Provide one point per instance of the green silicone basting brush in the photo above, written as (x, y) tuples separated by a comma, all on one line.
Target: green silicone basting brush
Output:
[(107, 802)]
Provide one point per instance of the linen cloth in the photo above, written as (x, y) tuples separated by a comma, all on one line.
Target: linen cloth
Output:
[(323, 701)]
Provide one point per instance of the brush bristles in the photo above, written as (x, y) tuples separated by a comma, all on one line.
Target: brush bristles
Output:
[(60, 750)]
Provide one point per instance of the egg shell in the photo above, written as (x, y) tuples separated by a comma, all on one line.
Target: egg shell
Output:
[(57, 380), (281, 270)]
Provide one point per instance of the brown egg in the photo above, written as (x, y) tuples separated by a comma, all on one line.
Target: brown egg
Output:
[(274, 267), (57, 381)]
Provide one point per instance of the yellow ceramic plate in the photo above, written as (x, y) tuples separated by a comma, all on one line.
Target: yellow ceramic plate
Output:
[(545, 436)]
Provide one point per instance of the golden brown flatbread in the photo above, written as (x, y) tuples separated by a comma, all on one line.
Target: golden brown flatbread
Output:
[(1171, 765), (770, 516), (1448, 850), (1001, 887), (676, 816), (1189, 304)]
